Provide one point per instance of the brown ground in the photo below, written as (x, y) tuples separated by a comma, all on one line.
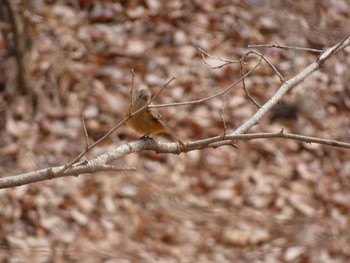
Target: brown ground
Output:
[(267, 201)]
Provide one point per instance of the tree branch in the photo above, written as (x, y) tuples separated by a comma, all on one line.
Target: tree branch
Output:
[(290, 84), (100, 163)]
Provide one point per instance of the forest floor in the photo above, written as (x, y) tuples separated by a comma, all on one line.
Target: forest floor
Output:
[(269, 200)]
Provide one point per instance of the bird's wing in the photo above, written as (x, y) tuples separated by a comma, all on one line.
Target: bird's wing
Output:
[(158, 117), (155, 114)]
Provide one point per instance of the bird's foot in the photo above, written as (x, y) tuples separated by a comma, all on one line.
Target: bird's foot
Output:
[(146, 137)]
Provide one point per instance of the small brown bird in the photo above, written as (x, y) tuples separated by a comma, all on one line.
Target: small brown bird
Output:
[(149, 120)]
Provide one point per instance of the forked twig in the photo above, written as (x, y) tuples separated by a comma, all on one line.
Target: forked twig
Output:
[(244, 86), (226, 61), (268, 63), (210, 97)]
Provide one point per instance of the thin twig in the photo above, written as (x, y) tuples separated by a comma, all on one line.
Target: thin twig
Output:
[(244, 87), (227, 62), (276, 45), (161, 89), (85, 131), (218, 140), (268, 63), (132, 88), (223, 113), (297, 137), (206, 98)]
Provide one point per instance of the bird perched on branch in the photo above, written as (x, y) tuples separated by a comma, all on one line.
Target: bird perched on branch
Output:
[(149, 120)]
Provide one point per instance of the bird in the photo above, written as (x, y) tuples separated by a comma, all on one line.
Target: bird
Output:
[(149, 120)]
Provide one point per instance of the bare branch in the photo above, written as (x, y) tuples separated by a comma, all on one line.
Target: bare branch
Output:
[(290, 84), (100, 163), (268, 63), (223, 112), (244, 87), (206, 98), (85, 131), (132, 88), (342, 44), (276, 45), (230, 87), (55, 172), (226, 61)]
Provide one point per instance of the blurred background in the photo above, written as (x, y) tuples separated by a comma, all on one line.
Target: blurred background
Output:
[(267, 201)]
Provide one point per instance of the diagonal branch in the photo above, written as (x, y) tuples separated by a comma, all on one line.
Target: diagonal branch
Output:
[(286, 86)]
